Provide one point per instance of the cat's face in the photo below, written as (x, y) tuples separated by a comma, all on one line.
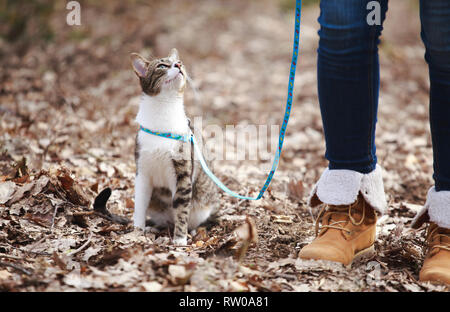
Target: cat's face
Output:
[(159, 75)]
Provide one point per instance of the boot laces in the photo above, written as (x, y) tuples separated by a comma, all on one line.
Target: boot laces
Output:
[(335, 210), (433, 233)]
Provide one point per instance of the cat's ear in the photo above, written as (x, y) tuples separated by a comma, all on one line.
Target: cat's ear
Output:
[(174, 55), (139, 64)]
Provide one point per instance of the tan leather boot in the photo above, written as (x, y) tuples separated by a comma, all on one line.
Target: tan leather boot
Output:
[(347, 233), (436, 267)]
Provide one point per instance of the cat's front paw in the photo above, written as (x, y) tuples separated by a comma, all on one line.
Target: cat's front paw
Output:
[(139, 222), (180, 241), (139, 225)]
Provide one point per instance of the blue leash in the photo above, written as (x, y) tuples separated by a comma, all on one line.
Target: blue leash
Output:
[(190, 137)]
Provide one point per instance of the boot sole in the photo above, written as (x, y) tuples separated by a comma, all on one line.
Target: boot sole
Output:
[(362, 255), (359, 257)]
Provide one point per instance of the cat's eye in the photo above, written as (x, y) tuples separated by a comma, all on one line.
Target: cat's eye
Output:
[(162, 66)]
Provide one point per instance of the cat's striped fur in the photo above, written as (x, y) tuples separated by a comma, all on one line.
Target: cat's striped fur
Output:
[(170, 186)]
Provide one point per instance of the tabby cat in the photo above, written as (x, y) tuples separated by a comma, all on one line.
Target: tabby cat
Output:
[(170, 185)]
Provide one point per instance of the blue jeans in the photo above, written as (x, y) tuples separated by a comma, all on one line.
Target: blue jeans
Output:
[(349, 81)]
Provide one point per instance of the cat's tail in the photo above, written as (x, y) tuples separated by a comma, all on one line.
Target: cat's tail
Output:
[(101, 210), (101, 199)]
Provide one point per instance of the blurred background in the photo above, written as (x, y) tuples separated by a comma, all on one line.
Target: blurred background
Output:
[(68, 96)]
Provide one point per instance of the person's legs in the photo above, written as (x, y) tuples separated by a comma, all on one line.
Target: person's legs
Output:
[(348, 86), (435, 19), (348, 83)]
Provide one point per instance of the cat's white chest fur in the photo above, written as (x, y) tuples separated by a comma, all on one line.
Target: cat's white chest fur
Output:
[(156, 165), (164, 113)]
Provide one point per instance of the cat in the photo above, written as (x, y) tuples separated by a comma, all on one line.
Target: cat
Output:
[(170, 185)]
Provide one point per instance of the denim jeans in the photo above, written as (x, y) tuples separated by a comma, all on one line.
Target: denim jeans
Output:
[(349, 80)]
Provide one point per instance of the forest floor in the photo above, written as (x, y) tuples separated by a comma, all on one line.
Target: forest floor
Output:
[(67, 131)]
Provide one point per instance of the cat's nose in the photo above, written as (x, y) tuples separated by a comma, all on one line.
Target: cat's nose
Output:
[(177, 65)]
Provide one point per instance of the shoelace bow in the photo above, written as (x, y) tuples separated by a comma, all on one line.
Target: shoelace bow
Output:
[(431, 236), (347, 211)]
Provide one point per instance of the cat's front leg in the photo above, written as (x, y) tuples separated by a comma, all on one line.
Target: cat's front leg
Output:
[(182, 202), (142, 197), (182, 205)]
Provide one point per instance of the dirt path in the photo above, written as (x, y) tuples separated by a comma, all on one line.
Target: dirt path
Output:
[(68, 107)]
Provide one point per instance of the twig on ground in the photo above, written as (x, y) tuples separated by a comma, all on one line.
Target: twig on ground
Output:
[(54, 217), (83, 213), (289, 277), (39, 253), (16, 258), (311, 214), (82, 246), (410, 275), (16, 267)]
